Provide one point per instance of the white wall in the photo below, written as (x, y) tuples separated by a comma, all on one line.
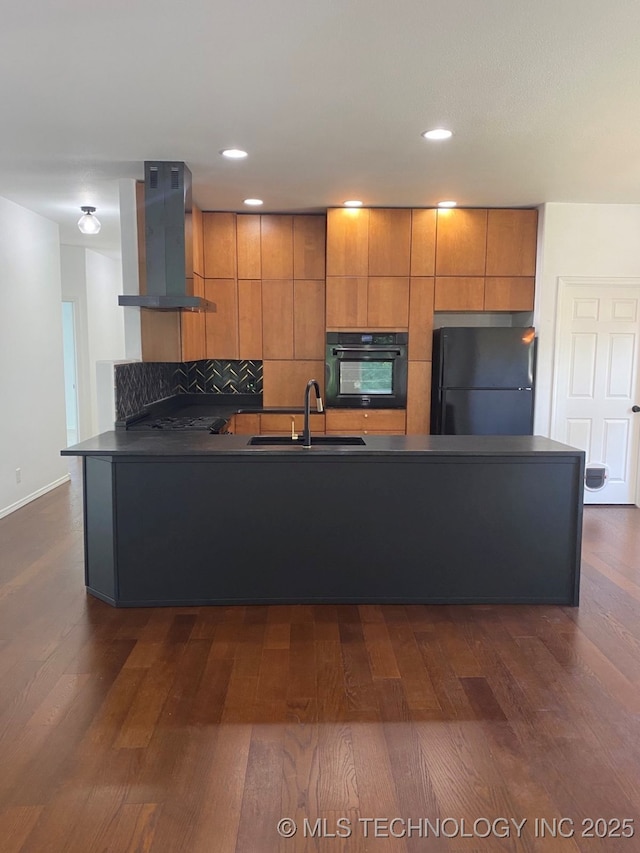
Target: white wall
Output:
[(32, 429), (591, 240), (105, 320), (74, 289), (93, 282), (130, 270)]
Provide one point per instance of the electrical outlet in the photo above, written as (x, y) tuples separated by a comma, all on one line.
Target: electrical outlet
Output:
[(18, 475)]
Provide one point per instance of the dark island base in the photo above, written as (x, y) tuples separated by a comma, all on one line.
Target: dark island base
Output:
[(333, 529)]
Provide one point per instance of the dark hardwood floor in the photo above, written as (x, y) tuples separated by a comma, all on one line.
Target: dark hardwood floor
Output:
[(198, 729)]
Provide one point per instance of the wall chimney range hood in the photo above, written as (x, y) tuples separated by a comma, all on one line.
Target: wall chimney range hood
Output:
[(168, 241)]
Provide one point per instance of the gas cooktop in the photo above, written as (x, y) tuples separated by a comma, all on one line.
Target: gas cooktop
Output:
[(202, 422)]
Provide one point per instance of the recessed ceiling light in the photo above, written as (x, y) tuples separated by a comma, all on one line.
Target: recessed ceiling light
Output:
[(352, 203), (254, 202), (437, 133), (447, 203), (234, 153)]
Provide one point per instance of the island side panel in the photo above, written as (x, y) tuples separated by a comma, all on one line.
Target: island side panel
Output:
[(99, 520), (348, 528)]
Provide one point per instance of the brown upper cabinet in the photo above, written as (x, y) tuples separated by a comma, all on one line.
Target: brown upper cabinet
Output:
[(509, 294), (248, 246), (277, 318), (388, 302), (309, 247), (192, 323), (221, 325), (380, 302), (308, 319), (348, 241), (459, 293), (347, 302), (423, 242), (249, 318), (461, 242), (511, 242), (196, 244), (420, 318), (389, 242), (276, 246), (219, 245)]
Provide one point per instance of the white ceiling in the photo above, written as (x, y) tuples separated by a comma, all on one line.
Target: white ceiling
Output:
[(328, 96)]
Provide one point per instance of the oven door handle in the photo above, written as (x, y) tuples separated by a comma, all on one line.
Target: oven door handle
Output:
[(371, 351)]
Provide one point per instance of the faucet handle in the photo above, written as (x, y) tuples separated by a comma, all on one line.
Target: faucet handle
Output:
[(294, 434)]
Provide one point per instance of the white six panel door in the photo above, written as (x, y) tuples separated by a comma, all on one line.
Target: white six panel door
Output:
[(598, 351)]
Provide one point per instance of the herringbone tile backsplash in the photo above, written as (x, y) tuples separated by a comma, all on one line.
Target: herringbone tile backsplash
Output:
[(138, 384), (221, 377)]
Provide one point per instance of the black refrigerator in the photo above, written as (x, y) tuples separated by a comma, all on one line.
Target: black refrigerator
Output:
[(483, 381)]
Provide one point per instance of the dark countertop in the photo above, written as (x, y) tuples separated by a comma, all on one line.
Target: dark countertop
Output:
[(188, 444), (208, 405)]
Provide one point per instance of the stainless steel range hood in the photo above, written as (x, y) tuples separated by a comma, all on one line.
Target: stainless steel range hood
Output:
[(168, 240)]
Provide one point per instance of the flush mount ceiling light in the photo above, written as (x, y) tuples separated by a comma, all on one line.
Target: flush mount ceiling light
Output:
[(253, 202), (88, 223), (437, 133), (447, 203), (234, 153), (352, 203)]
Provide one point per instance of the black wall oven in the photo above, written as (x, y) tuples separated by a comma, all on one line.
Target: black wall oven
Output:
[(366, 369)]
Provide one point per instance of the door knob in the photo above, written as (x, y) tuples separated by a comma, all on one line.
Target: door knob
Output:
[(635, 408)]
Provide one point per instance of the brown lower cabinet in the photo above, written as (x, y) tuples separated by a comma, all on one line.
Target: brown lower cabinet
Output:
[(372, 421), (273, 424), (332, 422), (281, 424), (244, 424)]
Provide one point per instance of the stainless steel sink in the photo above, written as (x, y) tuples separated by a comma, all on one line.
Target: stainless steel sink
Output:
[(316, 440)]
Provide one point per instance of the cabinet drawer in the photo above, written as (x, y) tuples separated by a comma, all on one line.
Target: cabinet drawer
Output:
[(371, 421), (270, 424), (245, 424)]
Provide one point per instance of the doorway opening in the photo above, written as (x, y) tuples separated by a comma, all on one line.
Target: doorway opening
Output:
[(70, 372)]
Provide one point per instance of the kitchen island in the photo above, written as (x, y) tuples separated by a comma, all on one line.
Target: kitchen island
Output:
[(192, 518)]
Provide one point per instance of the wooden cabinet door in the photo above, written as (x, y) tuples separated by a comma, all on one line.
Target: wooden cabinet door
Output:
[(389, 242), (508, 294), (418, 398), (420, 318), (248, 245), (245, 423), (461, 242), (308, 319), (309, 234), (273, 424), (511, 242), (249, 318), (458, 293), (284, 382), (347, 303), (276, 246), (423, 242), (197, 241), (277, 319), (192, 333), (219, 234), (221, 326), (388, 303), (347, 242), (367, 422)]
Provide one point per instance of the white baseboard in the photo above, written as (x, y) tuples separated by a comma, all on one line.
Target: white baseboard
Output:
[(43, 491)]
